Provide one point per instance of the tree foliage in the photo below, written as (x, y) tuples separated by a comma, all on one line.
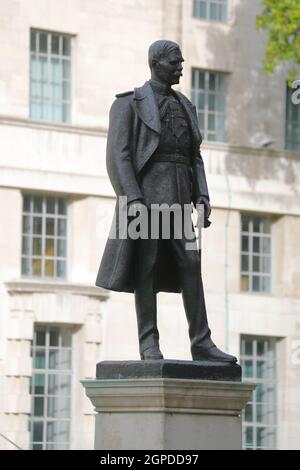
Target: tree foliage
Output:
[(281, 18)]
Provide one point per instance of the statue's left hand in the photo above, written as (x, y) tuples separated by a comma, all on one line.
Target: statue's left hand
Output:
[(203, 203)]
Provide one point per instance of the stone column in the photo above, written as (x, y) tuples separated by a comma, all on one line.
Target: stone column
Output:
[(168, 405)]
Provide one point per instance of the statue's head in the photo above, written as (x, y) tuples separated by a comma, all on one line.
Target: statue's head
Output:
[(165, 61)]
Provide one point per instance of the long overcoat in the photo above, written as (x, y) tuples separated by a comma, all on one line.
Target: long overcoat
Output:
[(133, 137)]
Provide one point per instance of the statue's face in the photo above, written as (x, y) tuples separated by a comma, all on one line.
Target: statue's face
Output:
[(169, 68)]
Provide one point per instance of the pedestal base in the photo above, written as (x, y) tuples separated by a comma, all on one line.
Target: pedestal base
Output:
[(168, 405)]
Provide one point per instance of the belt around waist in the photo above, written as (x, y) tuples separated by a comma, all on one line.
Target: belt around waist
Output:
[(170, 157)]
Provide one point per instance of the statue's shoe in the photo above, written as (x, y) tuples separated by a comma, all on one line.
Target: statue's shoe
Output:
[(211, 354), (152, 354)]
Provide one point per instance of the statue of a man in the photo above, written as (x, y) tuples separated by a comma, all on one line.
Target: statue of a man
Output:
[(153, 158)]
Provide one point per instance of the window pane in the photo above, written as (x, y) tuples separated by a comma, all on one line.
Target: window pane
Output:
[(26, 244), (40, 338), (211, 122), (49, 247), (54, 44), (260, 348), (256, 224), (38, 407), (50, 205), (249, 348), (260, 369), (62, 206), (266, 245), (37, 225), (39, 379), (255, 284), (248, 369), (66, 69), (38, 431), (26, 203), (256, 244), (245, 262), (248, 413), (49, 268), (54, 337), (66, 46), (245, 283), (66, 337), (266, 284), (213, 11), (59, 359), (26, 266), (37, 204), (36, 267), (37, 246), (201, 101), (50, 226), (61, 269), (245, 243), (43, 42), (40, 360), (249, 436), (61, 248), (56, 67), (203, 9), (255, 261), (62, 227), (33, 45), (212, 81), (53, 383), (26, 224)]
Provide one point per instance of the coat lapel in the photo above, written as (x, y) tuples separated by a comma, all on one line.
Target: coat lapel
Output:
[(146, 107), (192, 116)]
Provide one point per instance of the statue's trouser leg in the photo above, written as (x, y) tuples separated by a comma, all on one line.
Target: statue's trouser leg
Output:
[(145, 295), (189, 268)]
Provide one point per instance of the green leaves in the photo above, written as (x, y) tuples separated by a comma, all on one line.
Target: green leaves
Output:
[(281, 19)]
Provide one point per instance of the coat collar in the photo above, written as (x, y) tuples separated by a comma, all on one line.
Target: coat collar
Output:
[(147, 110), (146, 106)]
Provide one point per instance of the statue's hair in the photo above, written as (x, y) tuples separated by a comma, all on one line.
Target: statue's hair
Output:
[(160, 49)]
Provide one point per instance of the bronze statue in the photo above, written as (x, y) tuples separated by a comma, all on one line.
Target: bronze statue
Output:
[(153, 158)]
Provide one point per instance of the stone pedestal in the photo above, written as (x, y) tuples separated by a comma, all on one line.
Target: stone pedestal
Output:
[(168, 405)]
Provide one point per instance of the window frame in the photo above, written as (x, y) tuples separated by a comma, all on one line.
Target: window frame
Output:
[(196, 8), (270, 385), (41, 101), (46, 371), (29, 237), (207, 92), (250, 273)]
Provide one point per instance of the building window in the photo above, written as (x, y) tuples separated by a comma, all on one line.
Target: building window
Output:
[(44, 237), (212, 10), (209, 97), (256, 241), (50, 76), (258, 361), (50, 388), (292, 139)]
